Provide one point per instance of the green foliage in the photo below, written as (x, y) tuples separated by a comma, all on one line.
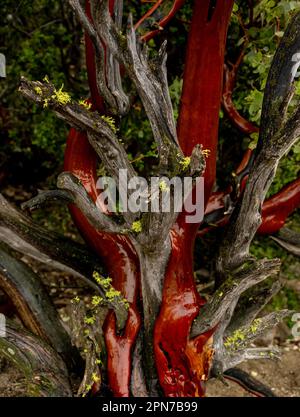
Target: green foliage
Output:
[(264, 247), (288, 170), (38, 38), (175, 93), (258, 33)]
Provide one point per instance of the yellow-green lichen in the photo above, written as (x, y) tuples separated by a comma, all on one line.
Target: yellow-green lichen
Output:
[(38, 90), (90, 320), (46, 102), (96, 300), (111, 293), (85, 104), (206, 152), (104, 282), (95, 377), (255, 325), (185, 163), (235, 340), (114, 295), (75, 300), (136, 226), (111, 123), (61, 96), (88, 387), (163, 186)]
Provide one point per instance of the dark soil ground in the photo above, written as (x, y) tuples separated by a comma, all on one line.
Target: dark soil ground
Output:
[(283, 377)]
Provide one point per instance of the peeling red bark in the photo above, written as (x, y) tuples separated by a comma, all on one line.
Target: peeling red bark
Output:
[(202, 88)]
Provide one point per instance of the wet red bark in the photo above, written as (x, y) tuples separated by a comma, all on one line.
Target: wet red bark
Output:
[(183, 364), (120, 261)]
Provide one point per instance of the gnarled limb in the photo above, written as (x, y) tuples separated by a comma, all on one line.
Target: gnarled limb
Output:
[(45, 196), (149, 78), (251, 303), (277, 134), (220, 307), (247, 382), (43, 368), (258, 327), (19, 232), (108, 70), (35, 308), (101, 134), (72, 191), (68, 182), (234, 348), (138, 383), (247, 354), (176, 355)]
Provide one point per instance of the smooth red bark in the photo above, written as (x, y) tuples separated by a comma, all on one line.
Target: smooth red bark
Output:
[(119, 259), (183, 364), (275, 210), (116, 252), (177, 4), (236, 118)]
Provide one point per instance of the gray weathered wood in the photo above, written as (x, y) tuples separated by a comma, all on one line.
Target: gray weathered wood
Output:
[(45, 371), (35, 308), (289, 240), (20, 233)]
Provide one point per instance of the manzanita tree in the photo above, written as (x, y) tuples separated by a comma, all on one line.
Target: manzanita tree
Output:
[(160, 336)]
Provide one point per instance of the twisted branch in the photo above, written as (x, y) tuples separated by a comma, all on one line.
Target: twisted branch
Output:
[(20, 233), (45, 372)]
